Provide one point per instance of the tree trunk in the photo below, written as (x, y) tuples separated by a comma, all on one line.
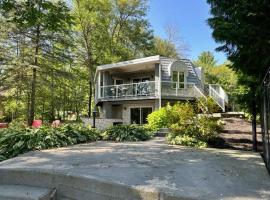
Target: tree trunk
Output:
[(52, 117), (34, 80), (254, 131), (32, 98), (90, 99)]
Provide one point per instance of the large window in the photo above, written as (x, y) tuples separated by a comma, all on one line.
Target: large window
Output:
[(139, 115), (178, 79)]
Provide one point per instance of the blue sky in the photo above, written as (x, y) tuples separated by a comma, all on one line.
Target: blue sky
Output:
[(189, 16)]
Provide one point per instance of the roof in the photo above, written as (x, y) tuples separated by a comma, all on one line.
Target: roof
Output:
[(151, 59)]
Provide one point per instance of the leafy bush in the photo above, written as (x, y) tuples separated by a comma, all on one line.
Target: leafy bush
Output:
[(188, 128), (14, 141), (207, 106), (120, 133), (158, 119), (186, 140)]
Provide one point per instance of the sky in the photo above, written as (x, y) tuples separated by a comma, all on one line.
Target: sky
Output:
[(189, 17)]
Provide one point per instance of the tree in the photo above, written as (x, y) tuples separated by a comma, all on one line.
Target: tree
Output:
[(110, 31), (243, 30), (207, 61), (165, 48), (174, 37), (40, 22)]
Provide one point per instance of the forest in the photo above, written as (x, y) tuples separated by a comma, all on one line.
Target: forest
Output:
[(49, 51)]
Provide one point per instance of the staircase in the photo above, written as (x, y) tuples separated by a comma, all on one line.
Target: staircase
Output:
[(214, 91), (22, 192)]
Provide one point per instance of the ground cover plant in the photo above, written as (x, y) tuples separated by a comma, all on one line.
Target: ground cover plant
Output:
[(17, 140), (130, 133)]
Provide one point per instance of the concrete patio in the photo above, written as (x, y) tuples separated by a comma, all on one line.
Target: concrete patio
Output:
[(142, 170)]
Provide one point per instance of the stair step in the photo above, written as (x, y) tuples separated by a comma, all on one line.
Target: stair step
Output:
[(162, 132), (22, 192)]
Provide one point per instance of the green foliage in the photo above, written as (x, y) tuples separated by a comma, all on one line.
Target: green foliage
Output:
[(165, 48), (168, 115), (15, 140), (180, 113), (207, 106), (121, 133), (196, 133), (186, 125), (186, 140), (158, 119), (242, 29)]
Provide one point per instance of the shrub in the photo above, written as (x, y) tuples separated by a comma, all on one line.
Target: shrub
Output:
[(208, 128), (188, 128), (158, 119), (186, 140), (120, 133), (14, 141), (181, 113), (207, 106)]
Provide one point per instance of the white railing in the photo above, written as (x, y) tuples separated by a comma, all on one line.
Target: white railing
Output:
[(128, 90), (220, 91), (169, 88), (217, 96)]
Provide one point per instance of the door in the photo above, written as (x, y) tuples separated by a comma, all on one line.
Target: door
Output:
[(135, 115), (139, 115), (144, 113)]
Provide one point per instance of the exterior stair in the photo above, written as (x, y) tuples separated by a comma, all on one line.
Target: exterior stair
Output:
[(22, 192), (162, 132), (214, 91)]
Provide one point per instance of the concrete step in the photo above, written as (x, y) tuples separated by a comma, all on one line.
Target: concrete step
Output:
[(22, 192), (162, 132)]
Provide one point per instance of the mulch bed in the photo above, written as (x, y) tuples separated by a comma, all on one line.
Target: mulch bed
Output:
[(237, 135)]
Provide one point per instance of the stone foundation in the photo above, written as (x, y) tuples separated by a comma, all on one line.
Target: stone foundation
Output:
[(101, 123)]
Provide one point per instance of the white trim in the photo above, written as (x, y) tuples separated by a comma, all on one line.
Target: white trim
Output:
[(130, 63), (159, 80)]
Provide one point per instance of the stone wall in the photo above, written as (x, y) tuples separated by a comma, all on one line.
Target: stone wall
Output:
[(101, 123)]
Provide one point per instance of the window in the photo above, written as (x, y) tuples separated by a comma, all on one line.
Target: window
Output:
[(118, 82), (178, 79), (139, 115), (138, 80), (181, 80), (174, 79)]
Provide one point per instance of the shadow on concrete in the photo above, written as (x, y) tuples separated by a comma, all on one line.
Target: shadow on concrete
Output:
[(150, 168)]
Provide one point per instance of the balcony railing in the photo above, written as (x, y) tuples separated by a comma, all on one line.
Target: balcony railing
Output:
[(169, 88), (141, 89)]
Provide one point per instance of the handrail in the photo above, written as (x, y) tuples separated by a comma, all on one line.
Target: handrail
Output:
[(216, 96), (127, 84)]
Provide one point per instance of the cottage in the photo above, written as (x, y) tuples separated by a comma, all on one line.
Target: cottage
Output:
[(126, 92)]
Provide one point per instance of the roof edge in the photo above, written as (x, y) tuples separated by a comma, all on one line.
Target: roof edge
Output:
[(130, 62)]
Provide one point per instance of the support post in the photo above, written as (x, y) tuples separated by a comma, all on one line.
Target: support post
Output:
[(254, 131)]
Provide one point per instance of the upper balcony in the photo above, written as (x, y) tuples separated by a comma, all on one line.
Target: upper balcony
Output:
[(148, 90)]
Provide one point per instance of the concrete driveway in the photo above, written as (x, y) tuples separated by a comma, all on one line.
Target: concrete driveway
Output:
[(182, 172)]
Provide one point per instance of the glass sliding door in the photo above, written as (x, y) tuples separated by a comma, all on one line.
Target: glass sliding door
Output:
[(139, 115), (144, 113), (135, 116)]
